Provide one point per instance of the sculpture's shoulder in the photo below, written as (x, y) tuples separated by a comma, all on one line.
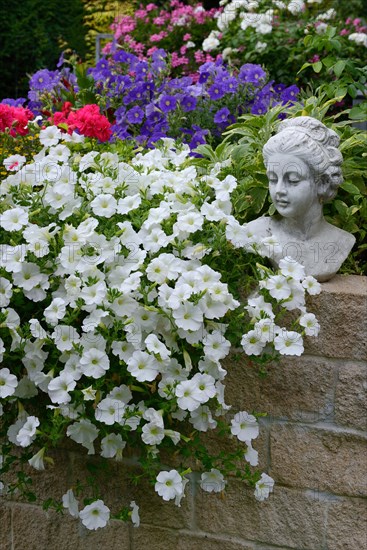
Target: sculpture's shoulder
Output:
[(260, 227), (339, 237)]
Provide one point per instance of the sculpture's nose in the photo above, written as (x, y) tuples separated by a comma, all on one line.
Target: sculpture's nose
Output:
[(280, 190)]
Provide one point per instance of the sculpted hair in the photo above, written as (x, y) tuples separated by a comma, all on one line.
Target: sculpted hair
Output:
[(310, 140)]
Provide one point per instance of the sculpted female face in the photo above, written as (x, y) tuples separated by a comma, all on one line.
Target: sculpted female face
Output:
[(291, 185)]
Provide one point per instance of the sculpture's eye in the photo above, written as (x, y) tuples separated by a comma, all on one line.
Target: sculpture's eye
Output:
[(294, 178)]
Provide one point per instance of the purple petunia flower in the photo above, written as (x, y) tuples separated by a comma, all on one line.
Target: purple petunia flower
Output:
[(251, 73), (13, 102), (230, 85), (188, 103), (222, 115), (135, 115), (167, 103), (216, 91), (44, 79), (259, 107), (289, 94)]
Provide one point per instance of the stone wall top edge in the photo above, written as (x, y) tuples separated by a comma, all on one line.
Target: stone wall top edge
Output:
[(346, 284)]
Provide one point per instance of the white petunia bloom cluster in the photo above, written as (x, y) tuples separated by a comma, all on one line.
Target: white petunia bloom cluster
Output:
[(114, 320)]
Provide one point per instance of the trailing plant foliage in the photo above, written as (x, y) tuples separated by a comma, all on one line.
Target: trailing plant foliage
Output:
[(119, 274)]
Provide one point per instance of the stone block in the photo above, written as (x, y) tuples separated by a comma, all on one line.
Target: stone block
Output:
[(289, 518), (351, 396), (207, 542), (341, 309), (347, 524), (318, 459), (5, 523), (296, 388), (34, 529), (147, 537)]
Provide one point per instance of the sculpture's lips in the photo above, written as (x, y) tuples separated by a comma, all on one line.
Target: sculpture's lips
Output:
[(282, 203)]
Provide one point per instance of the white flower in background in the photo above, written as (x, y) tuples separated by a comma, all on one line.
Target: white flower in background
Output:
[(14, 162), (251, 455), (50, 136), (37, 460), (152, 433), (296, 6), (27, 433), (95, 515), (8, 382), (13, 219), (311, 324), (244, 426), (329, 14), (263, 487), (210, 43), (213, 481), (70, 503), (321, 28), (260, 46), (216, 347), (83, 432), (359, 38), (188, 316), (289, 342), (135, 518), (169, 485)]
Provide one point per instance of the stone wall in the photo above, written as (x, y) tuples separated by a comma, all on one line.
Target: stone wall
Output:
[(313, 443)]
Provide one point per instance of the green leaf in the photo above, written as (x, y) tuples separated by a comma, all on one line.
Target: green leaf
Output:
[(317, 66), (350, 188), (339, 67)]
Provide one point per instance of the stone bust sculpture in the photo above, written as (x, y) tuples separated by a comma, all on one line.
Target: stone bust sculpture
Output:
[(303, 166)]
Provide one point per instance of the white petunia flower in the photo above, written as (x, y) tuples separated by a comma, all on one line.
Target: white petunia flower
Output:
[(8, 382), (94, 362), (110, 411), (95, 515), (14, 162), (213, 481), (290, 268), (59, 388), (83, 432), (50, 136), (309, 321), (142, 366), (13, 219), (135, 518), (112, 446), (251, 455), (55, 311), (104, 205), (27, 433), (312, 286), (263, 487), (6, 292), (202, 419), (169, 485), (70, 503), (244, 426), (37, 460), (289, 342), (253, 342)]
